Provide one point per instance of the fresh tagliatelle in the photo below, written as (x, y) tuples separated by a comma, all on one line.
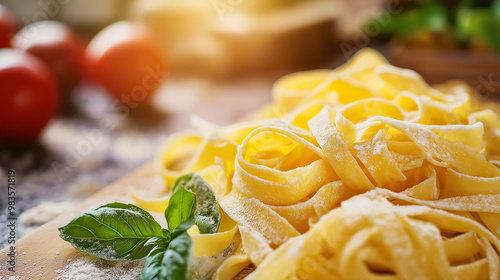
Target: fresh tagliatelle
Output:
[(370, 238), (363, 172)]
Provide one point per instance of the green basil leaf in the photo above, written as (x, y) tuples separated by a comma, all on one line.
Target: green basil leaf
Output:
[(169, 261), (115, 231), (207, 216), (180, 211)]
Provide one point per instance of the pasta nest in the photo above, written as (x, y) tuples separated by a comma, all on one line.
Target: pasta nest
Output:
[(415, 167)]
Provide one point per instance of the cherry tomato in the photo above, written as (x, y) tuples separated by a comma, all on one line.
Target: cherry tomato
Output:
[(59, 47), (126, 60), (8, 25), (28, 97)]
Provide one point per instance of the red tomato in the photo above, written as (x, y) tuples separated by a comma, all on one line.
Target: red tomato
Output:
[(8, 25), (28, 97), (59, 47), (126, 59)]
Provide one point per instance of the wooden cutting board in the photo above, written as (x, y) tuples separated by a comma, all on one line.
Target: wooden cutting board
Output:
[(41, 253)]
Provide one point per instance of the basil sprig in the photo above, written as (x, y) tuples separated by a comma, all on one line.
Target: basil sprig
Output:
[(119, 231)]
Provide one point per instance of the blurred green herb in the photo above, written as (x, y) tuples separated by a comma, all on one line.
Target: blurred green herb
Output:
[(466, 20)]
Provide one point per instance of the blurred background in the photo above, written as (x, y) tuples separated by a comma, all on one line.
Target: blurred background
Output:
[(217, 59), (219, 38)]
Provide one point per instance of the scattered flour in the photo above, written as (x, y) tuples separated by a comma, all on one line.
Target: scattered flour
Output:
[(132, 147), (202, 268), (82, 269), (45, 212)]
